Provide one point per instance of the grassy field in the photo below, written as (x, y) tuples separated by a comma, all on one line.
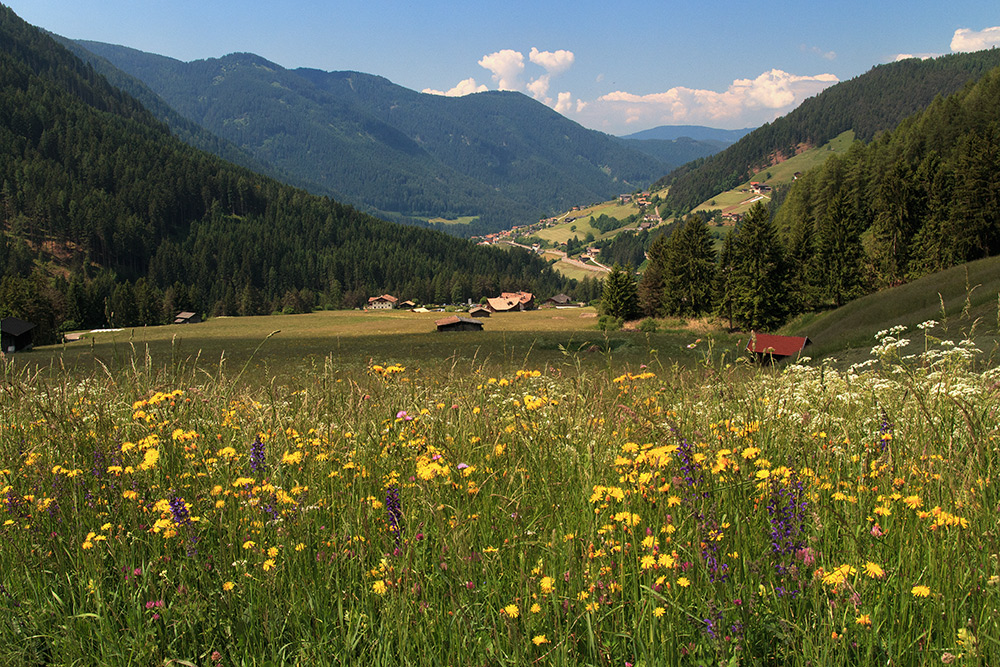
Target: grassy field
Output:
[(392, 504), (732, 201), (353, 339), (464, 220)]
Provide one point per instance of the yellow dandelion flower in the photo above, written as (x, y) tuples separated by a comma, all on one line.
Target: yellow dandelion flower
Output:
[(272, 552), (683, 582), (228, 586), (547, 584), (511, 611), (864, 619), (920, 591), (535, 608), (874, 570), (249, 544), (659, 611), (268, 564), (538, 640), (648, 562)]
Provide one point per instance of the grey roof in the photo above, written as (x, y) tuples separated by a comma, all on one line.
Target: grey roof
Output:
[(15, 326)]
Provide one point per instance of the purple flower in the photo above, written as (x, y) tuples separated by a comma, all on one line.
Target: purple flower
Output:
[(402, 415), (257, 463), (182, 517), (394, 512)]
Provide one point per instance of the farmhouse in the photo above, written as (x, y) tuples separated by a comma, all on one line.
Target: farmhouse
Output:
[(456, 323), (769, 347), (383, 302), (187, 317), (511, 301), (15, 334)]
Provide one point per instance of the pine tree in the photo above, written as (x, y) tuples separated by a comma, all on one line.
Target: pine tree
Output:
[(652, 285), (690, 269), (620, 298), (759, 275)]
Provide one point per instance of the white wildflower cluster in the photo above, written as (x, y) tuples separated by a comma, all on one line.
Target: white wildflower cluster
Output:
[(929, 324)]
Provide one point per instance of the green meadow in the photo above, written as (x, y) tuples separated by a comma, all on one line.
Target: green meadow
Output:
[(359, 489)]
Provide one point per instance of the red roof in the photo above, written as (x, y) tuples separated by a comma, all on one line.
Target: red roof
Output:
[(778, 346)]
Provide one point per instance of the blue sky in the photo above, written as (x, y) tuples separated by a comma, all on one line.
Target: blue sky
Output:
[(617, 67)]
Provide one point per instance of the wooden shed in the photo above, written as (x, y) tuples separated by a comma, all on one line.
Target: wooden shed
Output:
[(187, 317), (15, 334), (456, 323)]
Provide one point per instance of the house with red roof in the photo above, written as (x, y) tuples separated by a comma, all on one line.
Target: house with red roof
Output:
[(771, 347)]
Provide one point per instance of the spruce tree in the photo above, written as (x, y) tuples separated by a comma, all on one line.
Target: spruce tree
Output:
[(620, 298), (759, 274)]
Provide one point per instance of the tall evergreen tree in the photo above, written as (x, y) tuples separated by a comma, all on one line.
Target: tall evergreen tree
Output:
[(620, 298), (652, 285), (690, 269), (759, 274), (840, 253)]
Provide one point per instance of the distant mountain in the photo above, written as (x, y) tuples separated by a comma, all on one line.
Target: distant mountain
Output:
[(696, 132), (677, 152), (498, 155), (108, 219), (869, 104)]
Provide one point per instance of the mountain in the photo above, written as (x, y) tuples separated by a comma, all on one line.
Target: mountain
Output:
[(678, 151), (695, 132), (109, 219), (500, 156), (869, 104)]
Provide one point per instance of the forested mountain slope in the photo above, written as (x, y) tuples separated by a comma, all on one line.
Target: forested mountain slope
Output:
[(106, 218), (868, 104), (498, 155)]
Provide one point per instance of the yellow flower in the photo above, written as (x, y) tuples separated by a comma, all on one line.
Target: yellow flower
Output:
[(272, 552), (547, 584), (920, 591), (535, 608), (379, 587), (683, 582), (300, 546), (269, 564), (659, 611), (864, 619), (538, 640), (249, 544), (874, 570), (913, 502), (648, 562), (511, 611), (293, 458), (228, 586)]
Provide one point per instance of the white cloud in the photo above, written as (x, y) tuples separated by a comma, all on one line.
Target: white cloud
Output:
[(746, 101), (539, 87), (554, 62), (466, 87), (966, 40), (506, 66), (564, 103)]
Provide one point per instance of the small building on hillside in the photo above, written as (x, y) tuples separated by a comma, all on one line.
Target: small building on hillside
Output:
[(456, 323), (409, 305), (479, 311), (382, 302), (15, 334), (771, 348), (187, 317)]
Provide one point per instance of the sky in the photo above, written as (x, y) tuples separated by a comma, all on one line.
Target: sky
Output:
[(619, 67)]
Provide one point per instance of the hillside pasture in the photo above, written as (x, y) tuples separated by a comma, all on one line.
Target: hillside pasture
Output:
[(739, 199)]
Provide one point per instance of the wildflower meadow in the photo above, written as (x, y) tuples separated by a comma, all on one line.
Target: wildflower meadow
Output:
[(726, 513)]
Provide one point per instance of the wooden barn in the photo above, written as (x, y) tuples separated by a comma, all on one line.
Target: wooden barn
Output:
[(479, 311), (770, 347), (15, 334), (187, 317), (456, 323)]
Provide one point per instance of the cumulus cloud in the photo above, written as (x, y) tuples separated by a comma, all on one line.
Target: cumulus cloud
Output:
[(747, 101), (466, 87), (506, 66), (966, 40), (507, 69), (554, 62)]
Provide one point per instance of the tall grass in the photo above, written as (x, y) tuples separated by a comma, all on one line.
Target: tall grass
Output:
[(666, 515)]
